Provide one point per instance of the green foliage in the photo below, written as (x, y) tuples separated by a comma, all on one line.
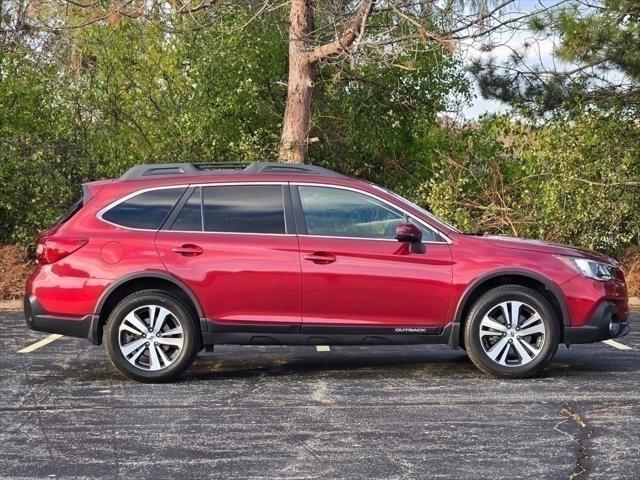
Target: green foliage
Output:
[(203, 95), (608, 34), (102, 98), (572, 181), (597, 56), (370, 120), (94, 101), (573, 174), (42, 155)]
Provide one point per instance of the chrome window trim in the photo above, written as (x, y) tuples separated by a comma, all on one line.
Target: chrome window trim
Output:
[(231, 233), (421, 222)]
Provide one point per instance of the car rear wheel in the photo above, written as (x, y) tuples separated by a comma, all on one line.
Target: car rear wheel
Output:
[(511, 331), (151, 336)]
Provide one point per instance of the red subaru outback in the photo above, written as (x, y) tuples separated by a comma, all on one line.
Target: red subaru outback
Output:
[(172, 259)]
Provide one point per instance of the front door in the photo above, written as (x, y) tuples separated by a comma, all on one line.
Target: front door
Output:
[(356, 275), (235, 248)]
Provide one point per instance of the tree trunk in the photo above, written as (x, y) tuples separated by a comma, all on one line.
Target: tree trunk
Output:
[(297, 114)]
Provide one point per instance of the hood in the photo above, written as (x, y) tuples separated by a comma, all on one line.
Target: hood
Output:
[(545, 247)]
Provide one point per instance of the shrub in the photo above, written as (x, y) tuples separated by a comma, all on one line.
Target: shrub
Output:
[(631, 265), (572, 181)]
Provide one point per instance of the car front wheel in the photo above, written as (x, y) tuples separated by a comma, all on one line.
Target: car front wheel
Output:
[(511, 331), (151, 337)]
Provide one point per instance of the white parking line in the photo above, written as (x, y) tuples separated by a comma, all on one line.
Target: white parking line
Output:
[(40, 343), (323, 348), (619, 346)]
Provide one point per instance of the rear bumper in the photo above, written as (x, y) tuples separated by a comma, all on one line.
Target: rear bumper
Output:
[(604, 323), (40, 320)]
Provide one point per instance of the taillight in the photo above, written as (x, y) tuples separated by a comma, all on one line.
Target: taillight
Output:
[(52, 249)]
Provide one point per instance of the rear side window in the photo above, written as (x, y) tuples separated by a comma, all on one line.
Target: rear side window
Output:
[(244, 209), (146, 210)]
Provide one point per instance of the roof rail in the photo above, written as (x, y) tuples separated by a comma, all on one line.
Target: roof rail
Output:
[(221, 166), (276, 167), (191, 169), (177, 169)]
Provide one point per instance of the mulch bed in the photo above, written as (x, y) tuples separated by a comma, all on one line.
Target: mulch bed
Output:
[(631, 265), (15, 267)]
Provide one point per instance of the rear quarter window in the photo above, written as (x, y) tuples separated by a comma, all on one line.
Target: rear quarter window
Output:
[(146, 210)]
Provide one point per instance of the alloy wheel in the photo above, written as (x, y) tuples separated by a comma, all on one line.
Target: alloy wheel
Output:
[(512, 333), (150, 337)]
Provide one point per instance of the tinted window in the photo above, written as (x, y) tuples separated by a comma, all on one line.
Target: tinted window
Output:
[(146, 210), (190, 217), (343, 213), (245, 208)]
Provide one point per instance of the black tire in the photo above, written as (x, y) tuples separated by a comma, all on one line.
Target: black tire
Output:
[(179, 311), (490, 301)]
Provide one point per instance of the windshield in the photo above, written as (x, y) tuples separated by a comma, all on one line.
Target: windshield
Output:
[(417, 207)]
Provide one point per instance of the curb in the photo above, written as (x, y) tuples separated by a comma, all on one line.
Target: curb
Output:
[(634, 301)]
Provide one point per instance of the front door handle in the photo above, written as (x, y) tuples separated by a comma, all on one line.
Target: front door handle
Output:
[(321, 258), (188, 250)]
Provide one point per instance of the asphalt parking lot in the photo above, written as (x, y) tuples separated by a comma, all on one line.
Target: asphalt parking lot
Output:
[(295, 412)]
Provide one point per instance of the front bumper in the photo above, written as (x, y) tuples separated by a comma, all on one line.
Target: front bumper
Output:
[(604, 323), (40, 320)]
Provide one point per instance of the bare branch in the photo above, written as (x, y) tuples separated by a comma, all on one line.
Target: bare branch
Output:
[(480, 19), (347, 38)]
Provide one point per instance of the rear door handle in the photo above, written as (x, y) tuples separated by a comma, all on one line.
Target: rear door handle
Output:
[(321, 258), (188, 250)]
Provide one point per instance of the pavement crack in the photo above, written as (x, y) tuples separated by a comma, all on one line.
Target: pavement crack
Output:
[(582, 439)]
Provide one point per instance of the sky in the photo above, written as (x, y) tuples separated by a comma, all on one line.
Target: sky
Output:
[(540, 52)]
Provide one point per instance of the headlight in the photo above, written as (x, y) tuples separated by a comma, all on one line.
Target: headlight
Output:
[(589, 268)]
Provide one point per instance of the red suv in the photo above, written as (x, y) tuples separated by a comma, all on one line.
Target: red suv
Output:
[(172, 259)]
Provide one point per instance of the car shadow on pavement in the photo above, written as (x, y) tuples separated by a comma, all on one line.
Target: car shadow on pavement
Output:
[(434, 364), (229, 364), (211, 368)]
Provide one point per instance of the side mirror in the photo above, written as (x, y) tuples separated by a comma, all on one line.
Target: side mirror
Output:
[(408, 232)]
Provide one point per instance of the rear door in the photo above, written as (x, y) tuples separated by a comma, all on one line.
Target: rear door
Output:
[(356, 275), (235, 246)]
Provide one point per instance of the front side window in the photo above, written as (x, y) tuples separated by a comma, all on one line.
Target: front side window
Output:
[(343, 213), (244, 209), (146, 210), (335, 212)]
